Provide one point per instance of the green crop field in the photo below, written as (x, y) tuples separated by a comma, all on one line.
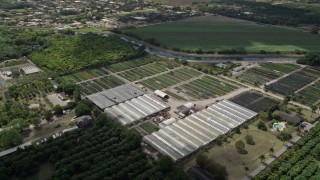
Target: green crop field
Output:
[(220, 33)]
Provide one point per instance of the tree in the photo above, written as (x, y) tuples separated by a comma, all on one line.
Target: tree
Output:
[(284, 136), (76, 95), (48, 115), (249, 139), (165, 163), (238, 130), (218, 170), (10, 138), (82, 109), (262, 157), (35, 120), (271, 150), (312, 59), (57, 110), (261, 125), (313, 109), (240, 146)]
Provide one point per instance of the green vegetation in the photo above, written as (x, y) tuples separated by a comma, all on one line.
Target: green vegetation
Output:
[(312, 59), (14, 117), (310, 95), (68, 54), (219, 171), (300, 162), (270, 12), (149, 127), (15, 43), (30, 89), (215, 33), (147, 70), (266, 72), (171, 78), (106, 150)]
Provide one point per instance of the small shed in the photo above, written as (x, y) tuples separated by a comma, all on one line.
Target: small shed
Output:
[(161, 94), (184, 109), (167, 122), (62, 96), (30, 70)]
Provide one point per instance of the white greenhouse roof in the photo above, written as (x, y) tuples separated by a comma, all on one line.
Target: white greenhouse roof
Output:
[(187, 135)]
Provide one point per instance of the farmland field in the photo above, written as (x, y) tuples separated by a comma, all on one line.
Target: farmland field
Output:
[(203, 88), (254, 101), (266, 72), (145, 71), (289, 84), (310, 95), (82, 76), (220, 33), (98, 85), (171, 78), (131, 64)]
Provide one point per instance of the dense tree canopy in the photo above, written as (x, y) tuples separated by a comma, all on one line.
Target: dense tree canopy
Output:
[(312, 59), (70, 53), (106, 150)]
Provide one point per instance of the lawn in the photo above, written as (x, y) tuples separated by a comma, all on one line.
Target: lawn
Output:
[(217, 33), (149, 127), (228, 156)]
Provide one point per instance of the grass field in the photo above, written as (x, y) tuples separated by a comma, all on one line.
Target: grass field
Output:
[(217, 33), (228, 156)]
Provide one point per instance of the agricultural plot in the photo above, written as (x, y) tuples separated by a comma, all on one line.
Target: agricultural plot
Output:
[(226, 33), (289, 84), (82, 76), (254, 101), (100, 84), (310, 95), (281, 67), (171, 78), (203, 88), (131, 64), (145, 71), (266, 72)]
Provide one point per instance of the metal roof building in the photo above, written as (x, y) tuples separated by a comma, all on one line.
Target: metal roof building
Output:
[(135, 109), (187, 135), (113, 96)]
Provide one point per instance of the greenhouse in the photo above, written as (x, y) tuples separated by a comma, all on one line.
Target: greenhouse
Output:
[(135, 109), (182, 138)]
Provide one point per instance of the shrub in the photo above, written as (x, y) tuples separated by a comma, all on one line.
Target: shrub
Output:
[(240, 146), (249, 139), (262, 126)]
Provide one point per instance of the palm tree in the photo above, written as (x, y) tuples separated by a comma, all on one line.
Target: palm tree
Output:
[(313, 109), (246, 169), (271, 150), (262, 157)]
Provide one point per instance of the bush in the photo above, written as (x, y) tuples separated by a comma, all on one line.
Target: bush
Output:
[(249, 140), (262, 126), (284, 136), (82, 109), (240, 146)]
